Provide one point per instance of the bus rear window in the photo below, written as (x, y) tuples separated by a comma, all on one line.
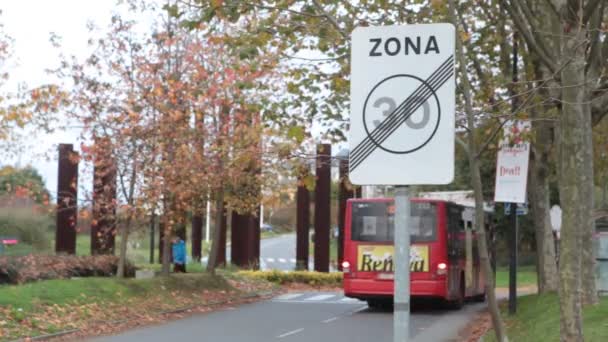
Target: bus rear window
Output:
[(374, 221)]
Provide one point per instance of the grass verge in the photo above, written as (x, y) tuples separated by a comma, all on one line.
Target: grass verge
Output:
[(526, 276), (47, 307), (537, 319)]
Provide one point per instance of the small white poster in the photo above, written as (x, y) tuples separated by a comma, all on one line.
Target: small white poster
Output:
[(512, 164)]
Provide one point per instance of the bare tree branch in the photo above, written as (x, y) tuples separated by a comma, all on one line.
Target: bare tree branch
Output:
[(331, 19), (528, 31), (591, 9), (599, 108), (462, 144), (483, 77), (255, 5), (485, 146), (552, 7), (595, 52)]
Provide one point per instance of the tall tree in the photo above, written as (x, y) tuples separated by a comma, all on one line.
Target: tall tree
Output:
[(568, 40), (472, 152), (542, 161), (182, 111)]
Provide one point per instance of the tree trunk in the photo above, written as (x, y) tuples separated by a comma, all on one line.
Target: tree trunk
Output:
[(486, 267), (588, 261), (538, 189), (166, 244), (540, 205), (216, 231), (124, 239), (484, 259), (575, 125), (197, 233), (468, 265)]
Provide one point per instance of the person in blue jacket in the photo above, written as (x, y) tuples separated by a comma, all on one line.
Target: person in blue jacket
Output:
[(179, 256)]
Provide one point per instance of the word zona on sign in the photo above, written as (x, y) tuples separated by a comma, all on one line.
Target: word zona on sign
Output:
[(393, 46)]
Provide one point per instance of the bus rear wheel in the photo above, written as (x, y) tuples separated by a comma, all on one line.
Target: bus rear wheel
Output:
[(378, 303), (374, 303), (480, 298), (458, 303)]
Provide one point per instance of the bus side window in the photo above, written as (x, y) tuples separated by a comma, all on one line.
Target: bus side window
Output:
[(455, 226)]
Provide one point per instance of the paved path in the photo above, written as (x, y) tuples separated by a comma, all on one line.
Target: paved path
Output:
[(305, 317)]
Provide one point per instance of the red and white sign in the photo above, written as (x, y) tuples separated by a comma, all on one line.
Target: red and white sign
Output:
[(512, 164)]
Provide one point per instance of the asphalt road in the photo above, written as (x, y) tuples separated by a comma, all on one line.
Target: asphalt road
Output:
[(276, 253), (279, 253), (305, 317)]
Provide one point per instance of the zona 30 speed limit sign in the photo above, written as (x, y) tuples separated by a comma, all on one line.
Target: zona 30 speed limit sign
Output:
[(402, 105)]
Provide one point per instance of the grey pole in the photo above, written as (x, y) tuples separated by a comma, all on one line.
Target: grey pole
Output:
[(401, 307)]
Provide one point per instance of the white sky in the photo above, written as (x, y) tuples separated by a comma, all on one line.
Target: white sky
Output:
[(30, 23)]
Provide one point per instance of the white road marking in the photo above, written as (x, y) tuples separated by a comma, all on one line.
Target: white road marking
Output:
[(358, 310), (288, 296), (349, 300), (320, 297), (293, 261), (291, 333), (281, 260), (329, 320), (270, 259)]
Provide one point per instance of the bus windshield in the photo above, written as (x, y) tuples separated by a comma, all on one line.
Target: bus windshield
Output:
[(374, 221)]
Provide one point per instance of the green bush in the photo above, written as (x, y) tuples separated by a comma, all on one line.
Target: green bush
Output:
[(301, 277), (28, 225)]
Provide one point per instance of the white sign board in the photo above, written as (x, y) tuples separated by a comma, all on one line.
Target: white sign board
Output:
[(555, 215), (512, 165), (402, 105)]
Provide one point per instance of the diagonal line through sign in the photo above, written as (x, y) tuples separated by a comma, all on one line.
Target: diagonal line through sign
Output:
[(444, 71), (402, 113)]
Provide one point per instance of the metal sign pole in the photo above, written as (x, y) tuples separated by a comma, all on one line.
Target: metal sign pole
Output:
[(401, 307), (513, 261)]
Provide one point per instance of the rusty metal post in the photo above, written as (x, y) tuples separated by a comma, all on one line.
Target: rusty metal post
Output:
[(302, 225), (245, 240), (67, 200), (103, 227), (197, 235), (322, 207), (239, 238), (161, 239), (152, 234), (256, 237), (344, 193)]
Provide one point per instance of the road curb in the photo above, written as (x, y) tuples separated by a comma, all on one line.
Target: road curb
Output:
[(250, 295)]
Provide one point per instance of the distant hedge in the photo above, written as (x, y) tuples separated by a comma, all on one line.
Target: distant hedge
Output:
[(18, 270), (28, 225), (302, 277)]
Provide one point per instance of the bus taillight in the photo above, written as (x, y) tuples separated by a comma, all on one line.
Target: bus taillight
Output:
[(442, 268), (345, 266)]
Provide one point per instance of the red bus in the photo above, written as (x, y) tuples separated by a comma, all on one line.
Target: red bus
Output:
[(437, 256)]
